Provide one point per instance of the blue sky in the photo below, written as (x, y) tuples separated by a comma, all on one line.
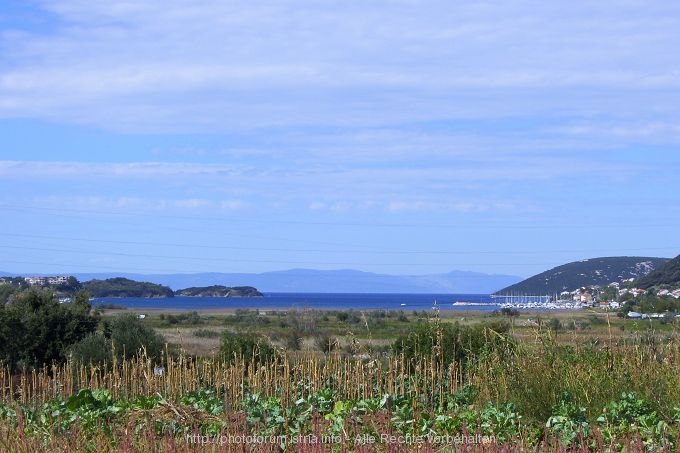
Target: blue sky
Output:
[(398, 137)]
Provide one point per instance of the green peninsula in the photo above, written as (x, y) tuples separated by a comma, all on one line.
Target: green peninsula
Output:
[(123, 287)]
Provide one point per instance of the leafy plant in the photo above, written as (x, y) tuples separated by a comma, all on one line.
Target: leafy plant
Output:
[(501, 421), (205, 400), (631, 414), (568, 422)]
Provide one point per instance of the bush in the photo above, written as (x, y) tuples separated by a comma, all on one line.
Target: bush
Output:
[(597, 320), (125, 334), (206, 333), (249, 347), (555, 324), (451, 342), (36, 330), (325, 342), (293, 339), (129, 335), (510, 312), (94, 349), (190, 319)]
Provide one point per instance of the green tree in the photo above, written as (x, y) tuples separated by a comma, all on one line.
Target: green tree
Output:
[(6, 292), (36, 330)]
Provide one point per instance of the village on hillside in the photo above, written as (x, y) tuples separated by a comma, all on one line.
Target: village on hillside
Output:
[(623, 297)]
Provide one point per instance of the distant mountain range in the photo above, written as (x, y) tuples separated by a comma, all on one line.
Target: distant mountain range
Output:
[(590, 272), (648, 272), (328, 281)]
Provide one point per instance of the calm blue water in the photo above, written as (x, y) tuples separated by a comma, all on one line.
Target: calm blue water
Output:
[(313, 300)]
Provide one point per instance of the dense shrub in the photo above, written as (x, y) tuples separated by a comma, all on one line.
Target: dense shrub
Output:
[(6, 292), (36, 330), (252, 348), (94, 349), (293, 338), (325, 342), (190, 319), (130, 334), (452, 342), (206, 333), (342, 316), (126, 335)]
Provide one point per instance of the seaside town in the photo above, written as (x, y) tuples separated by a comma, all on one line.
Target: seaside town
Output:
[(612, 297)]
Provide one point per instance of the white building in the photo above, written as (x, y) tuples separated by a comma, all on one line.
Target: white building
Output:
[(42, 281)]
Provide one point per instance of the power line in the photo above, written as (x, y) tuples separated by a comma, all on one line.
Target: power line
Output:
[(309, 250), (235, 218), (242, 260)]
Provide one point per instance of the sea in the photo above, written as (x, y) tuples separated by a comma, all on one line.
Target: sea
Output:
[(321, 301)]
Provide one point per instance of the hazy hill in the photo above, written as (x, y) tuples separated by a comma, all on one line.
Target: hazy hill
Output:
[(332, 281), (668, 274), (590, 272)]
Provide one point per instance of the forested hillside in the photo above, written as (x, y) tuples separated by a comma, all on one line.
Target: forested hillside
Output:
[(590, 272)]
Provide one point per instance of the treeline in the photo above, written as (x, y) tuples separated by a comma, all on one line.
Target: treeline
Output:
[(14, 284), (112, 287), (650, 303)]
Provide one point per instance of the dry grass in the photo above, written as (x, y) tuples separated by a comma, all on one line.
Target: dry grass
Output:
[(354, 379), (191, 345), (594, 367)]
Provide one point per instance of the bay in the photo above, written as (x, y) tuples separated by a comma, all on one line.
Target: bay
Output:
[(321, 301)]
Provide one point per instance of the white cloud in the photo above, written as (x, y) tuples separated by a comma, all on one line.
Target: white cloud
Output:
[(233, 205), (401, 206), (90, 170), (192, 203), (217, 66), (463, 207), (317, 205)]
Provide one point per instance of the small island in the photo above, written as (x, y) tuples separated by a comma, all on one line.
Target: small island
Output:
[(123, 287), (219, 291)]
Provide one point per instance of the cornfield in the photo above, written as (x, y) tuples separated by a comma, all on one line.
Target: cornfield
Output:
[(536, 396)]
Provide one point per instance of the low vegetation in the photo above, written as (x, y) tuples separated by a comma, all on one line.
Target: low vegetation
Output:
[(355, 381)]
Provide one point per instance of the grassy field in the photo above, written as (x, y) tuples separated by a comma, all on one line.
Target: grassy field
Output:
[(198, 333), (548, 381)]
